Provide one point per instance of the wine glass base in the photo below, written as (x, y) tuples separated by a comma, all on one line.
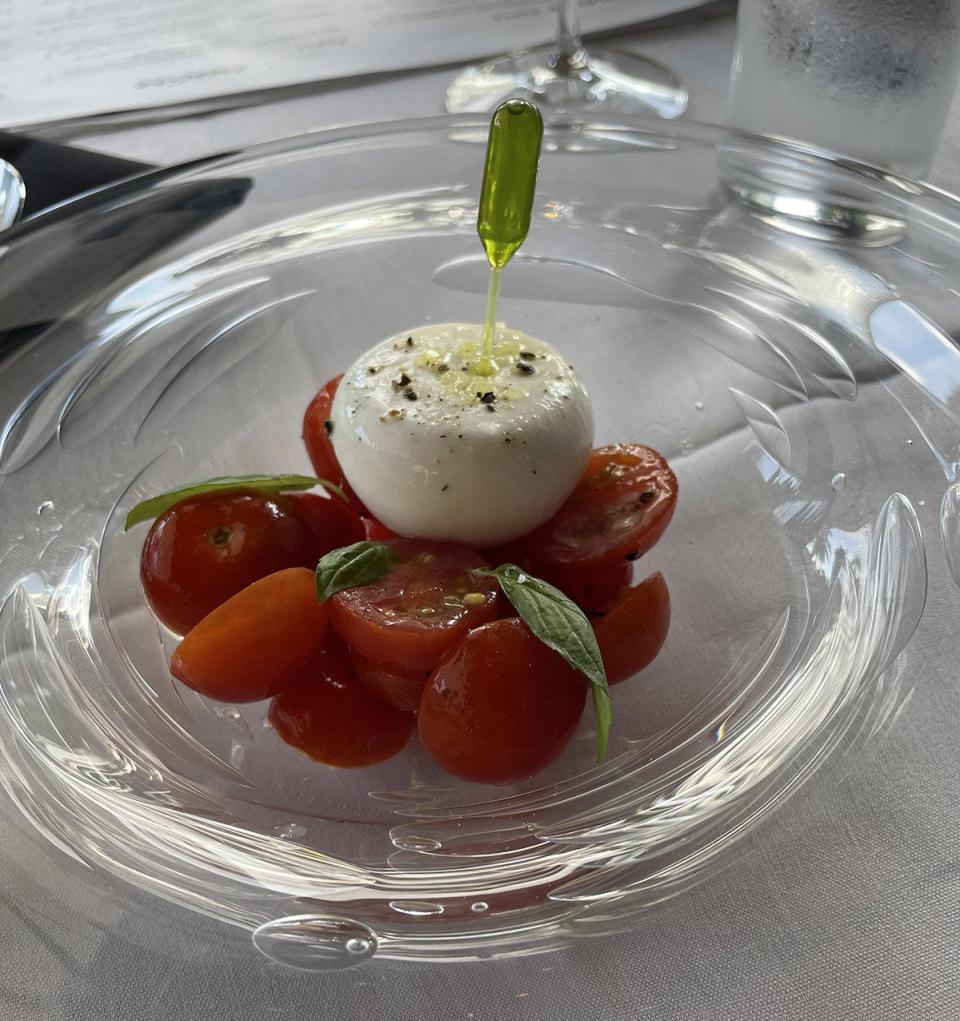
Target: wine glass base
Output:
[(603, 81)]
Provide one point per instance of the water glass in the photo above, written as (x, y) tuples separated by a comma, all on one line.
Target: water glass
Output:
[(868, 80)]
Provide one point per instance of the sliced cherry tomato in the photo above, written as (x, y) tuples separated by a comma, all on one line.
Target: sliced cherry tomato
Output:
[(500, 706), (619, 509), (205, 549), (509, 553), (631, 634), (507, 610), (332, 717), (317, 429), (395, 685), (424, 606), (594, 591), (257, 642), (377, 530), (330, 522)]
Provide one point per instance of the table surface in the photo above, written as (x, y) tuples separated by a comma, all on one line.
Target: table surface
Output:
[(843, 905)]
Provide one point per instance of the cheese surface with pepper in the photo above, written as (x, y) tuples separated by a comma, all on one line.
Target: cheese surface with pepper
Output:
[(437, 450)]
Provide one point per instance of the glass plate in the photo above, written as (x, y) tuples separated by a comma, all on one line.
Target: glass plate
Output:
[(174, 329)]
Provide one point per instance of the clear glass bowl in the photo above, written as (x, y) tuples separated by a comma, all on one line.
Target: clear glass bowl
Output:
[(174, 329)]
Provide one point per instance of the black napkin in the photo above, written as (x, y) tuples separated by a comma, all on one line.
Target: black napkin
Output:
[(52, 172), (57, 268)]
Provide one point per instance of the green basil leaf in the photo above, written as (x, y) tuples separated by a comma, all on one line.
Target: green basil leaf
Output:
[(352, 566), (559, 623), (156, 505)]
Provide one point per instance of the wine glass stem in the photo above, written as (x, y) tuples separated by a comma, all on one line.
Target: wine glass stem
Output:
[(570, 54)]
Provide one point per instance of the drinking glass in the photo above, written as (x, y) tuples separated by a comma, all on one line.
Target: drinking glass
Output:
[(567, 78), (870, 81)]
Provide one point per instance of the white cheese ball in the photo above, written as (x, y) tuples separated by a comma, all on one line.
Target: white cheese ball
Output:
[(437, 451)]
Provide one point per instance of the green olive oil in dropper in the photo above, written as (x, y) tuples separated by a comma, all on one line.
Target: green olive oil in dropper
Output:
[(506, 200)]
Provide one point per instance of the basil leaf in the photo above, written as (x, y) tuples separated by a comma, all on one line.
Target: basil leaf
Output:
[(156, 505), (560, 624), (352, 566)]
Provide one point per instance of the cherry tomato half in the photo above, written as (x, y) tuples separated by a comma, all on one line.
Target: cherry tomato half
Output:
[(500, 706), (377, 530), (257, 642), (631, 634), (423, 607), (333, 718), (205, 549), (594, 591), (317, 429), (395, 685), (509, 553), (330, 522), (619, 509)]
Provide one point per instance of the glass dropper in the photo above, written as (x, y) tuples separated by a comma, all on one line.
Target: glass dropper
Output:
[(506, 201)]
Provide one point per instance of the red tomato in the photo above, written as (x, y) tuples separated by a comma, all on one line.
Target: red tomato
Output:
[(500, 706), (317, 429), (395, 685), (631, 634), (619, 509), (205, 549), (594, 591), (333, 718), (257, 642), (330, 522), (510, 553), (424, 606), (377, 530)]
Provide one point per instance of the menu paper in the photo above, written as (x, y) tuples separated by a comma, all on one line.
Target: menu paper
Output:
[(63, 59)]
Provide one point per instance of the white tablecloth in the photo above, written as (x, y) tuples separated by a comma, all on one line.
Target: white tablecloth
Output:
[(843, 905)]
